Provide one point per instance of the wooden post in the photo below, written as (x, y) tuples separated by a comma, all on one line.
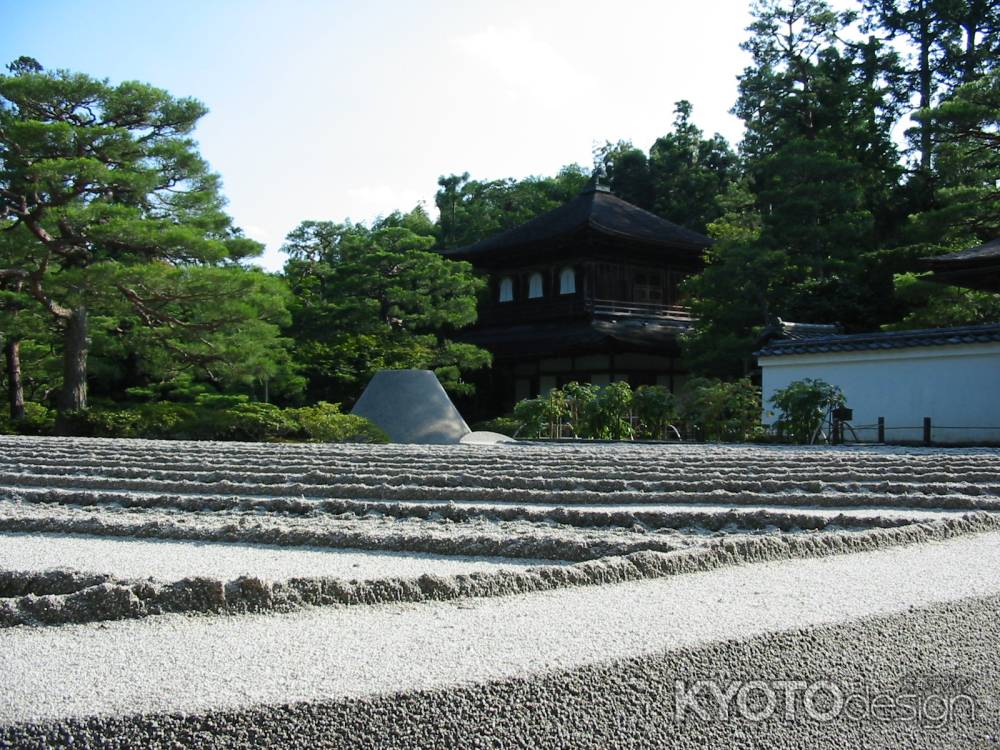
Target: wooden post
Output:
[(927, 430), (881, 429)]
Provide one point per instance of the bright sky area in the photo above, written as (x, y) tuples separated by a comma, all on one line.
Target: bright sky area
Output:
[(350, 109)]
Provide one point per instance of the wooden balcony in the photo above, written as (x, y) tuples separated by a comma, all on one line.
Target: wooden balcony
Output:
[(609, 308), (576, 306)]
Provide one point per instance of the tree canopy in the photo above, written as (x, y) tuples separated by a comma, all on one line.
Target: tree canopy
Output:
[(369, 298), (829, 213), (110, 213)]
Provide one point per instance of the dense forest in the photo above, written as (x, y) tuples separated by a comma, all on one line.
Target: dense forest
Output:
[(871, 141)]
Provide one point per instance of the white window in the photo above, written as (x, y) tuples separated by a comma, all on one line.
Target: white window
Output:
[(506, 289), (535, 286), (567, 281)]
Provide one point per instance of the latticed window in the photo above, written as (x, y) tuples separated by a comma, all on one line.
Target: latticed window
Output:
[(535, 286), (506, 289), (567, 281)]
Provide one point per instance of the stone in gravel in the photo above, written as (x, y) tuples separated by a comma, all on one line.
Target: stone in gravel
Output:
[(412, 407), (484, 437)]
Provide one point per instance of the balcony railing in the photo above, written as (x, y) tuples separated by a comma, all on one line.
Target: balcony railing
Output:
[(571, 306), (621, 309)]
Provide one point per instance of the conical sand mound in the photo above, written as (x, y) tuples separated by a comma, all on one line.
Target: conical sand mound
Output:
[(412, 407)]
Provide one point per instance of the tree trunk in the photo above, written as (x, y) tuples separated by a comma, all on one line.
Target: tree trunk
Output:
[(76, 346), (926, 76), (15, 389)]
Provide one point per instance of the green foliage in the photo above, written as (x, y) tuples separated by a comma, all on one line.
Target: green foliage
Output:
[(798, 233), (219, 401), (802, 407), (376, 298), (471, 210), (609, 414), (710, 410), (530, 415), (579, 399), (324, 423), (966, 209), (655, 411), (542, 416), (933, 305), (719, 411), (254, 422), (164, 420), (109, 208), (37, 420), (627, 167), (681, 179), (210, 417), (953, 43), (577, 410), (106, 422), (220, 325)]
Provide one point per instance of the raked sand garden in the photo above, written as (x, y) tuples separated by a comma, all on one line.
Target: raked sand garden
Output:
[(526, 595)]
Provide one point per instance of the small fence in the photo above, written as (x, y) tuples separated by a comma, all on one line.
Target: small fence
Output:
[(841, 432), (929, 433)]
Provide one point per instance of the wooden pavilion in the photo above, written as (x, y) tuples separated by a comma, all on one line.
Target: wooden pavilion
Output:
[(975, 268), (589, 291)]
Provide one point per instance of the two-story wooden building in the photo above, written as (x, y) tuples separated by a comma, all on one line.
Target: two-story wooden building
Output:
[(589, 292)]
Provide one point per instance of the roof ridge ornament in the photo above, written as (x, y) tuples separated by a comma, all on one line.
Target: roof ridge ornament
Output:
[(597, 183)]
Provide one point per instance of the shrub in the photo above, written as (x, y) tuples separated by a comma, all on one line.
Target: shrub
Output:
[(579, 400), (219, 401), (117, 423), (719, 411), (37, 420), (655, 411), (324, 423), (254, 422), (210, 417), (609, 414), (532, 415), (802, 406), (165, 419)]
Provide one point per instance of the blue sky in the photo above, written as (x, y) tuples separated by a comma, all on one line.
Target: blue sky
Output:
[(337, 109)]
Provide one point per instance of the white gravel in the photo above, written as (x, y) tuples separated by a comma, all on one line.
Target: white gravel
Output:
[(871, 511), (176, 663), (172, 560)]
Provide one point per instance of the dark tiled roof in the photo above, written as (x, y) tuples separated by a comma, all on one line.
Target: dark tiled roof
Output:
[(599, 210), (798, 331), (786, 330), (884, 340), (988, 251)]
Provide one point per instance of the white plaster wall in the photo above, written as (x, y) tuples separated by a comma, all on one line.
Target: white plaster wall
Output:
[(954, 385)]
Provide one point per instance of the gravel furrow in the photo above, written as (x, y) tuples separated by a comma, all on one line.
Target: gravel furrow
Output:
[(740, 476), (194, 665), (519, 480), (622, 516), (528, 495), (164, 560)]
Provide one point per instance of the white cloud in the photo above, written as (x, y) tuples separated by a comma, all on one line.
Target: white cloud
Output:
[(271, 260), (523, 62), (259, 233), (368, 201)]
